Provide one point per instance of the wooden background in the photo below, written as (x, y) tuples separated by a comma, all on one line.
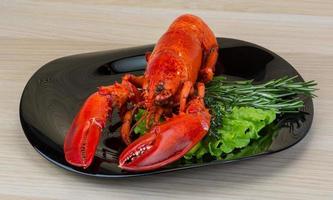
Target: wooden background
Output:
[(35, 32)]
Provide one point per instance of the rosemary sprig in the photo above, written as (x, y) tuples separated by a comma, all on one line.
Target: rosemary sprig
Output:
[(280, 95)]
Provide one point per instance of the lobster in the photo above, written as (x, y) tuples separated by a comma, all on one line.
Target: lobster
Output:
[(187, 52)]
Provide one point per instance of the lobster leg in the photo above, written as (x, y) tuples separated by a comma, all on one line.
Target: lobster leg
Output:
[(127, 115), (158, 114), (210, 55), (135, 80), (207, 72), (126, 127), (201, 91), (147, 55), (184, 95)]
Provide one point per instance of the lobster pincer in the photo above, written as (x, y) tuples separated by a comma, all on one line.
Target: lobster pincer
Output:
[(169, 140)]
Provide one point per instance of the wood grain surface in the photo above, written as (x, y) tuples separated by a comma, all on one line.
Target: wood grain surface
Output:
[(35, 32)]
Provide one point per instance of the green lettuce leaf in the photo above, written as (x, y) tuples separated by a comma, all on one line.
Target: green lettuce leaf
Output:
[(257, 146), (140, 128), (238, 128)]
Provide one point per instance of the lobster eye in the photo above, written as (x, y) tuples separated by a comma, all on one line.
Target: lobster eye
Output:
[(159, 88)]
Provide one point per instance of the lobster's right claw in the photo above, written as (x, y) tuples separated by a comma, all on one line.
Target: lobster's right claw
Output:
[(83, 136)]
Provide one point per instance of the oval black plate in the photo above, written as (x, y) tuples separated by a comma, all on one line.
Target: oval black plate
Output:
[(55, 92)]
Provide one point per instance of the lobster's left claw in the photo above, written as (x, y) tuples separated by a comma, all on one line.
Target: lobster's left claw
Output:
[(83, 136), (166, 142)]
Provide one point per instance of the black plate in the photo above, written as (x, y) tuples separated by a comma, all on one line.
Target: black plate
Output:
[(55, 92)]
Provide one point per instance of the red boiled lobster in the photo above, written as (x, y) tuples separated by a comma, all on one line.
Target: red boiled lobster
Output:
[(187, 52)]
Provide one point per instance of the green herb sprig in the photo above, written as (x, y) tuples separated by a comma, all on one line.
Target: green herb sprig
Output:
[(279, 94)]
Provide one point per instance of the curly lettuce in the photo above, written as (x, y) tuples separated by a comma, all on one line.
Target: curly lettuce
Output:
[(238, 128)]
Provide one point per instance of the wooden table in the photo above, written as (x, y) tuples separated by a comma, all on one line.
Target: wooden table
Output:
[(35, 32)]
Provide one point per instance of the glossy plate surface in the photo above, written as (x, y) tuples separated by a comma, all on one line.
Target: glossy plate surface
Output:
[(56, 91)]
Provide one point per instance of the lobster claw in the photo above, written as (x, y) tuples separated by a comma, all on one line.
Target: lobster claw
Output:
[(168, 141), (83, 136)]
